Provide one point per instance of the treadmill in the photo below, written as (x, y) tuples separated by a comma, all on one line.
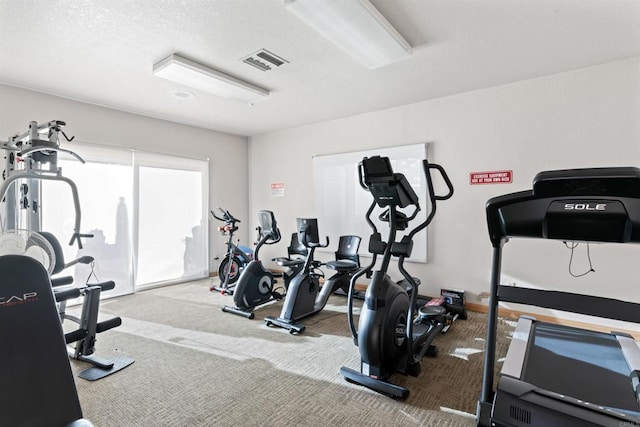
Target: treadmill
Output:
[(558, 375)]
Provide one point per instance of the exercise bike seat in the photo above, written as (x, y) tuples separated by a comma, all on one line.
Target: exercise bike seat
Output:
[(342, 265), (288, 262)]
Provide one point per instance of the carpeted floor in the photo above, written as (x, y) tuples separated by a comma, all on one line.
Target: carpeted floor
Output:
[(198, 366)]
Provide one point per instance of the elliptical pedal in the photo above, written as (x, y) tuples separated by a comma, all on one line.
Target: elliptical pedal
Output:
[(391, 390)]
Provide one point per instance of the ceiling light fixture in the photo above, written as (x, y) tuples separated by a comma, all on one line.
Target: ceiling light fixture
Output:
[(355, 26), (181, 94), (197, 76)]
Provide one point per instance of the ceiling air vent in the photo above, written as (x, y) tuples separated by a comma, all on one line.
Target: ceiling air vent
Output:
[(264, 60)]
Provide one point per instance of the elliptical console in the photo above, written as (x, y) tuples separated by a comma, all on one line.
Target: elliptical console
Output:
[(391, 335)]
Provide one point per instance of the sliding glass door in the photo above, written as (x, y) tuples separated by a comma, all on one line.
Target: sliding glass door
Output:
[(172, 219), (147, 214)]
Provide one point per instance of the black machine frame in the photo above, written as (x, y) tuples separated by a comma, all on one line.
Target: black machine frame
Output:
[(393, 335), (255, 286), (234, 260), (587, 205)]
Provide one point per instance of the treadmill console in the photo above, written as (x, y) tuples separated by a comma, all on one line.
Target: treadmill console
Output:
[(612, 182)]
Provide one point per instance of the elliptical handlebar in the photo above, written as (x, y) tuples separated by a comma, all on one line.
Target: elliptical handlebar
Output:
[(361, 176), (445, 177), (433, 197)]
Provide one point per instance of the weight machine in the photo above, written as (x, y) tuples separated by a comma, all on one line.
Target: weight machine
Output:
[(30, 158)]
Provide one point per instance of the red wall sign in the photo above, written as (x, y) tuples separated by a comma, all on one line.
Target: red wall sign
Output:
[(491, 177), (277, 189)]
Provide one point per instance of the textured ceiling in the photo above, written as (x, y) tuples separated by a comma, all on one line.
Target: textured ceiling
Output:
[(102, 52)]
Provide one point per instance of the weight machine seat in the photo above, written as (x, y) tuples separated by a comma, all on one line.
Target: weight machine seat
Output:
[(37, 387)]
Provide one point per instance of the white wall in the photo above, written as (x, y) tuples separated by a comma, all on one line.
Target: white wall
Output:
[(227, 153), (584, 118)]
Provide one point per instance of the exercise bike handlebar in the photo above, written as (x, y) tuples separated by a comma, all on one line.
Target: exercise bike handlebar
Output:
[(226, 216), (315, 244)]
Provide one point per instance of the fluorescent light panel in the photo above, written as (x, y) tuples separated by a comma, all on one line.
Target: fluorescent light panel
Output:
[(189, 73), (355, 26)]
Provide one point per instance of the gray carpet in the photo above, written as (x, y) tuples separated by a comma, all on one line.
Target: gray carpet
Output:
[(198, 366)]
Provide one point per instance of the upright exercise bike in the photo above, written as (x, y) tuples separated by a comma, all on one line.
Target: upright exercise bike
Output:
[(304, 296), (393, 335), (256, 284), (236, 257)]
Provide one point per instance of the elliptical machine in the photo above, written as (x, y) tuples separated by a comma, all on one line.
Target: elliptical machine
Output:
[(256, 284), (304, 296), (234, 260), (391, 336)]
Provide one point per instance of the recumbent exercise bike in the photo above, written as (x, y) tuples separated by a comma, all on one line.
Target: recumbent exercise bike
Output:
[(305, 296)]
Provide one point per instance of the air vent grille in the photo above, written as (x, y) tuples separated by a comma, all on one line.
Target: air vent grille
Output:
[(264, 60), (520, 414)]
